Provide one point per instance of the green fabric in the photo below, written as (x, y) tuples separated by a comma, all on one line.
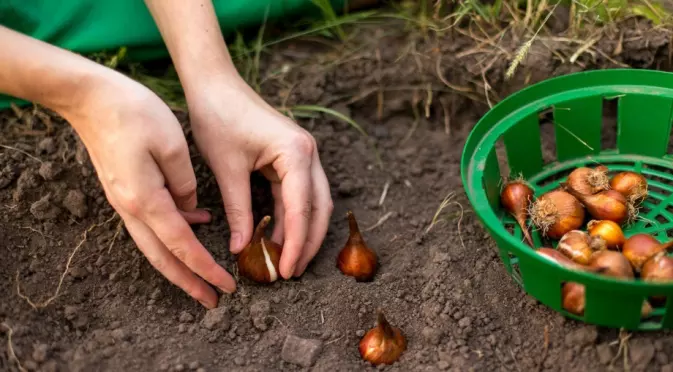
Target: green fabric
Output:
[(88, 26)]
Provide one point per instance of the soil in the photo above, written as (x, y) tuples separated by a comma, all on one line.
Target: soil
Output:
[(446, 289)]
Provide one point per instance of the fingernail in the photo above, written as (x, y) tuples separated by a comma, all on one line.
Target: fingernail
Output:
[(228, 290), (234, 246), (205, 305), (292, 271)]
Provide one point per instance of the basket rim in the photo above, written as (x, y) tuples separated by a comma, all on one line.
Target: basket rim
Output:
[(471, 176)]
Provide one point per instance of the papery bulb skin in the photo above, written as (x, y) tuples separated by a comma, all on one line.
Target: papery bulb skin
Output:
[(641, 247), (383, 344), (614, 263), (517, 197), (356, 259), (588, 181), (630, 184), (260, 259), (579, 246), (610, 231), (557, 212)]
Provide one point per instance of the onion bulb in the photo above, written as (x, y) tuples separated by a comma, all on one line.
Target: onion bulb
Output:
[(557, 212), (606, 205), (382, 344), (573, 300), (613, 263), (658, 269), (356, 259), (630, 184), (516, 197), (641, 247), (609, 231), (259, 260), (579, 246), (588, 181)]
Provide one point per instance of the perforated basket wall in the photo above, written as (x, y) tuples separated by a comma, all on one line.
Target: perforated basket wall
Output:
[(644, 102)]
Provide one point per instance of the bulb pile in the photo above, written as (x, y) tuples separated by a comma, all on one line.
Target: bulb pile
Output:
[(598, 246)]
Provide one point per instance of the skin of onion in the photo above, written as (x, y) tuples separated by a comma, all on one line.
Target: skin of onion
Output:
[(615, 263), (575, 245), (606, 205), (630, 184), (589, 181), (641, 247), (610, 231), (658, 269), (557, 212), (383, 344), (516, 197)]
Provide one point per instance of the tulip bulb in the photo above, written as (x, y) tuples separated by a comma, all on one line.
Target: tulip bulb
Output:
[(588, 181), (382, 344), (658, 269), (641, 247), (516, 197), (609, 231), (606, 205), (573, 300), (356, 259), (557, 212), (259, 260), (579, 246), (613, 263), (563, 260), (630, 184)]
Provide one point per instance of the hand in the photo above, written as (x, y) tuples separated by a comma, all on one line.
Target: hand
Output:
[(140, 153), (237, 133)]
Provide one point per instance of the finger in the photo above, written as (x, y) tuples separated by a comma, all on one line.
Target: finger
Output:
[(162, 216), (235, 188), (320, 216), (197, 216), (164, 262), (176, 166), (278, 212), (296, 192)]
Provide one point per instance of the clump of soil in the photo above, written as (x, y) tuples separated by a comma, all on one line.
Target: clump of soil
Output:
[(446, 289)]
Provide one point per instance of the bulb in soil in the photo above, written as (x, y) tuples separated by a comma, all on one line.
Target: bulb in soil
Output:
[(516, 197), (557, 212), (641, 247), (383, 344), (609, 231), (630, 184), (356, 259), (589, 181), (259, 260), (579, 246)]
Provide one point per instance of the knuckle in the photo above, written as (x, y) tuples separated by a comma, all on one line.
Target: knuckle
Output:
[(158, 263), (330, 206), (304, 143), (186, 189), (173, 151), (181, 253), (130, 202)]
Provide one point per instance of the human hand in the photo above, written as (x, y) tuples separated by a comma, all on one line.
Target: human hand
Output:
[(237, 133), (140, 153)]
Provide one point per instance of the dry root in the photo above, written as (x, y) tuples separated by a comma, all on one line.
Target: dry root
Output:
[(10, 347), (598, 179), (544, 214)]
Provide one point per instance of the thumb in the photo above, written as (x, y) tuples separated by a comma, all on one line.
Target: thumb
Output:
[(235, 188)]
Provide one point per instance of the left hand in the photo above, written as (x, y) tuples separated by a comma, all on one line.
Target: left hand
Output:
[(237, 132)]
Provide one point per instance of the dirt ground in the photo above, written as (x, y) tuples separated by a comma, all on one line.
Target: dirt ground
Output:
[(417, 97)]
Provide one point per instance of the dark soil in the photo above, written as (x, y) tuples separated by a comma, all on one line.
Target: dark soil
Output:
[(446, 289)]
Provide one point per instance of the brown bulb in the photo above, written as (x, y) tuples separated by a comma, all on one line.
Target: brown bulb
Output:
[(356, 259), (606, 205), (563, 260), (630, 184), (516, 197), (383, 344), (658, 269), (641, 247), (609, 231), (588, 181), (579, 246), (613, 263), (573, 300), (557, 212), (259, 260)]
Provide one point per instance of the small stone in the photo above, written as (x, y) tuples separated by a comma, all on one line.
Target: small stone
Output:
[(108, 352), (75, 203), (217, 318), (49, 171), (40, 352), (132, 289), (182, 328), (641, 352), (581, 337), (47, 146), (156, 294), (443, 365), (301, 351), (360, 332), (194, 365), (239, 361), (179, 367), (201, 370), (432, 335), (120, 334), (186, 317), (259, 311), (604, 353), (29, 365), (464, 322), (79, 272), (349, 188), (43, 209)]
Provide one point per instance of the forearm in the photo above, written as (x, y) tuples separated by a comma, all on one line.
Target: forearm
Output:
[(192, 35), (50, 76)]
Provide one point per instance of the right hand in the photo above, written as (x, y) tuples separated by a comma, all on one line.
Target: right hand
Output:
[(141, 156)]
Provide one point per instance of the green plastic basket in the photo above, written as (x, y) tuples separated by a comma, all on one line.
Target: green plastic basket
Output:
[(576, 101)]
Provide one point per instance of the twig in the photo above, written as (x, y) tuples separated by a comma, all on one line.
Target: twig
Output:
[(65, 272), (384, 193), (380, 221), (10, 348), (23, 152), (545, 347), (117, 232), (335, 340), (447, 118)]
